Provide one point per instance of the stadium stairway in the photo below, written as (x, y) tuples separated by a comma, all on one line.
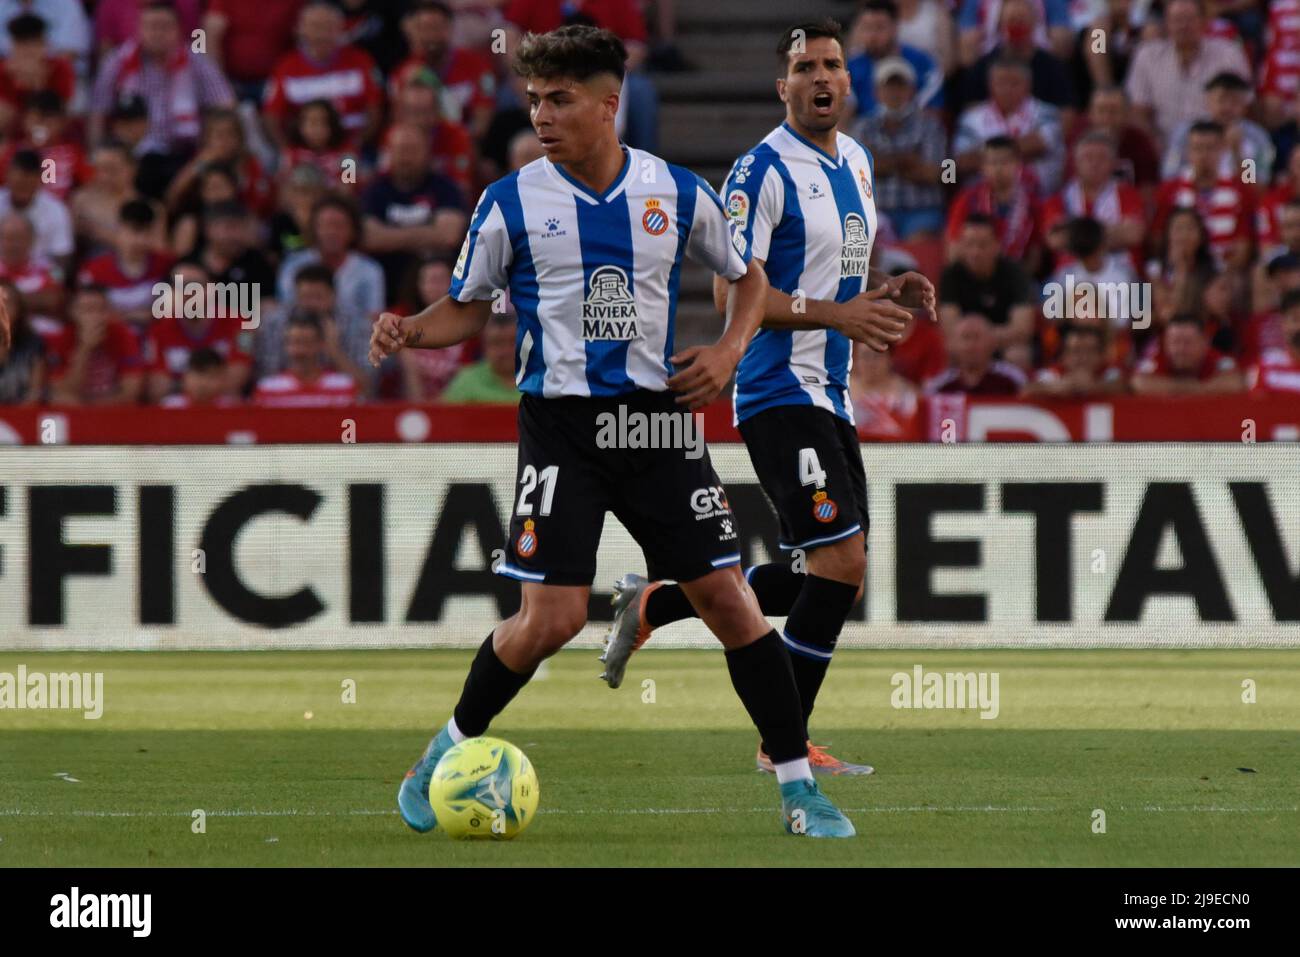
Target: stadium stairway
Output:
[(708, 115)]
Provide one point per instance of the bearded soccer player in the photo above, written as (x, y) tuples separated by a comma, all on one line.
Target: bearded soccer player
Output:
[(589, 241), (802, 199)]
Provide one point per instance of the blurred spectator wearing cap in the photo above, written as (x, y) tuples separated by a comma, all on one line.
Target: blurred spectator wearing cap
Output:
[(247, 38), (176, 83), (468, 84), (1184, 363), (980, 279), (22, 352), (204, 383), (1278, 369), (1003, 194), (1227, 96), (30, 68), (451, 149), (974, 369), (25, 194), (96, 360), (908, 146), (307, 380), (129, 273), (1226, 205), (410, 210), (876, 29), (67, 27), (638, 110), (1095, 191), (1048, 79), (884, 403), (44, 129), (324, 66), (222, 141), (1167, 77), (1080, 370), (492, 378), (1137, 161), (1012, 112), (979, 22), (174, 338), (336, 230)]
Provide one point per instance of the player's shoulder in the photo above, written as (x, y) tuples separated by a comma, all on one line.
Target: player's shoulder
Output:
[(851, 148)]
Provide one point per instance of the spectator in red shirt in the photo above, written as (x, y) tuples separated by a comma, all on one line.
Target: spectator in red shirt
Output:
[(1263, 331), (118, 21), (1279, 368), (222, 141), (97, 360), (1081, 370), (129, 273), (1286, 190), (317, 139), (884, 403), (307, 382), (44, 130), (1004, 195), (173, 338), (204, 383), (41, 292), (1096, 193), (248, 38), (921, 354), (468, 83), (1226, 205), (974, 371), (30, 68), (325, 67), (1185, 364)]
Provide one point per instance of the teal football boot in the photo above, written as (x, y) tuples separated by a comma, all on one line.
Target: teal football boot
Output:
[(810, 813), (413, 795)]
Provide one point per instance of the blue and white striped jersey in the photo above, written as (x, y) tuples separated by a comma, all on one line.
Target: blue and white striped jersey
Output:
[(811, 218), (594, 278)]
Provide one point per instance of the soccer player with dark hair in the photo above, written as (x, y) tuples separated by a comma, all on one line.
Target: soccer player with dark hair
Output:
[(802, 199), (589, 241)]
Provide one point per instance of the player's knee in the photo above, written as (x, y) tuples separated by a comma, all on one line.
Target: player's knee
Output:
[(844, 561), (550, 629)]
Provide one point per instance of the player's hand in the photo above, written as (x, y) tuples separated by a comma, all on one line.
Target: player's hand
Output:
[(874, 319), (386, 338), (708, 372), (912, 290)]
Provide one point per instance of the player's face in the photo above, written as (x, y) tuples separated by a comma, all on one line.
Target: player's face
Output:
[(569, 116), (815, 87)]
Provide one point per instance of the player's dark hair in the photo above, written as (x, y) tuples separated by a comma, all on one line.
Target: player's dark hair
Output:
[(823, 28), (575, 51), (1205, 126), (1085, 236), (26, 26), (28, 161), (1290, 300), (1002, 143), (314, 272), (205, 359), (887, 7), (136, 214)]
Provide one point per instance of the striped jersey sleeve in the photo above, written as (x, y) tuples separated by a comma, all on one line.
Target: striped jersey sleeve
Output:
[(755, 202), (483, 265), (712, 241)]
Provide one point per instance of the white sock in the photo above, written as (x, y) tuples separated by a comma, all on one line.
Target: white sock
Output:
[(458, 735), (796, 770)]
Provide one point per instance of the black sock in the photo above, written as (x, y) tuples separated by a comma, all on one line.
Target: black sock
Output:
[(761, 675), (775, 584), (489, 687), (811, 631)]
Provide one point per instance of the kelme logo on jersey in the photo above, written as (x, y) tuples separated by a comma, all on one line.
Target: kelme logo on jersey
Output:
[(655, 220), (609, 311), (856, 255)]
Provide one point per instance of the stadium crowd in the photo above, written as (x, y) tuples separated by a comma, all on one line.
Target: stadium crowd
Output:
[(1110, 190)]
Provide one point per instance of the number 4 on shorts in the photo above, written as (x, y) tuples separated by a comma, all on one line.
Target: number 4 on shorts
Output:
[(810, 469)]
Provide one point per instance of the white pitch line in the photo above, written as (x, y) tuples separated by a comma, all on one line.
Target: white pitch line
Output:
[(621, 812)]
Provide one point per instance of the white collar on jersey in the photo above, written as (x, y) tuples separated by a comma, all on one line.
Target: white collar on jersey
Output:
[(822, 155), (585, 192)]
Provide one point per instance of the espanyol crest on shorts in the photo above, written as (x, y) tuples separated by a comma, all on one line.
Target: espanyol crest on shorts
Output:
[(824, 508), (526, 545)]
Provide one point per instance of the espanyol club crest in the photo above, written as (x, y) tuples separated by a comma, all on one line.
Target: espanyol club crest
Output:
[(824, 508), (527, 543), (655, 220)]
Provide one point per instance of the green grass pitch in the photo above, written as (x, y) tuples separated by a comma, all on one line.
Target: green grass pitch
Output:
[(1156, 740)]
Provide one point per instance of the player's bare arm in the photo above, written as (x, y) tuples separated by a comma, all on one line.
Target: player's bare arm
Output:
[(711, 366), (442, 324)]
